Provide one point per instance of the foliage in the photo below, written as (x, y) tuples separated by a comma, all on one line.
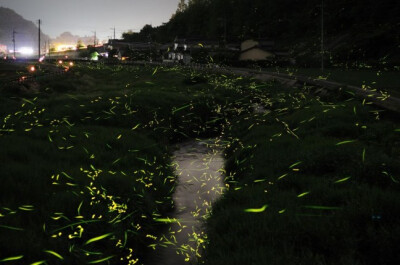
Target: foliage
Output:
[(80, 45), (356, 33)]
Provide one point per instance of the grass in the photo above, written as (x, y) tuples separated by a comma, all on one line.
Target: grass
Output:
[(310, 181), (87, 169), (376, 79), (86, 159), (71, 173)]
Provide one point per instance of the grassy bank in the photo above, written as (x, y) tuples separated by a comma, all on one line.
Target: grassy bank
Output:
[(368, 78), (309, 181), (82, 180), (86, 162), (87, 175)]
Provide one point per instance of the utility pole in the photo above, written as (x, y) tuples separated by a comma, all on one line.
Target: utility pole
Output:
[(13, 40), (48, 42), (114, 32), (94, 41), (39, 40), (322, 36), (149, 40)]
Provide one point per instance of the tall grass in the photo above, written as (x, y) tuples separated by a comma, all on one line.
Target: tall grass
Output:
[(309, 182), (86, 167)]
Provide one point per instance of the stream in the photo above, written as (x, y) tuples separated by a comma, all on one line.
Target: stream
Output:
[(199, 167)]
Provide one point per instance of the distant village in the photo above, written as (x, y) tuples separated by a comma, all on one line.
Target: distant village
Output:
[(181, 50)]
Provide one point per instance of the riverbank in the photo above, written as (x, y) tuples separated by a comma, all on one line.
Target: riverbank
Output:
[(86, 158), (311, 180), (88, 174)]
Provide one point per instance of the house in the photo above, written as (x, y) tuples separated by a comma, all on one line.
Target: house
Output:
[(257, 50), (133, 50), (123, 45), (178, 51)]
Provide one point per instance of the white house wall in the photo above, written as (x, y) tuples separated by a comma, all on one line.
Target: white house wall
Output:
[(255, 55), (248, 44)]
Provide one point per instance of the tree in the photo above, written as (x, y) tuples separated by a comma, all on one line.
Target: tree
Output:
[(80, 45), (181, 6)]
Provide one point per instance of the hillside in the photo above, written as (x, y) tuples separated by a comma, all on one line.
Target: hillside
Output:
[(27, 31), (362, 31)]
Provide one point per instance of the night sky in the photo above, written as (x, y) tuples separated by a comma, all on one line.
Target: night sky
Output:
[(82, 17)]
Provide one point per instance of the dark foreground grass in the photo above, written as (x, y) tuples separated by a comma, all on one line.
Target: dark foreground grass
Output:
[(86, 170), (309, 182), (81, 181)]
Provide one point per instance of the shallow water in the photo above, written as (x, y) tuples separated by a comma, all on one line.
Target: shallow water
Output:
[(199, 167)]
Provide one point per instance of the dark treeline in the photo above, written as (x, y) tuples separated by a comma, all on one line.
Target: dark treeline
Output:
[(353, 30)]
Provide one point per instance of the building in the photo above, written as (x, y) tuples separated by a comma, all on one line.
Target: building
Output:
[(132, 50), (122, 45), (260, 50), (178, 51)]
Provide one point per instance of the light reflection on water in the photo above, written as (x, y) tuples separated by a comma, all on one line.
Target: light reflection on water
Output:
[(199, 167)]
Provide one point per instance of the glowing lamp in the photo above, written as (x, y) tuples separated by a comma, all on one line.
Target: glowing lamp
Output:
[(32, 68), (71, 64), (26, 51), (60, 61)]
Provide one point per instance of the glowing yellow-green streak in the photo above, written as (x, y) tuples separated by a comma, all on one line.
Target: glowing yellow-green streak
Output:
[(256, 210)]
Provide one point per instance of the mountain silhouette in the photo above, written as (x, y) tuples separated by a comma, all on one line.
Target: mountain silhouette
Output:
[(26, 31)]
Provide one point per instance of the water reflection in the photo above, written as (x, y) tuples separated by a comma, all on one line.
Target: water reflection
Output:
[(199, 166)]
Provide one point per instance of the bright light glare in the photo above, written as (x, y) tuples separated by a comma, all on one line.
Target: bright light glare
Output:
[(26, 51), (65, 47), (60, 61), (32, 68)]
